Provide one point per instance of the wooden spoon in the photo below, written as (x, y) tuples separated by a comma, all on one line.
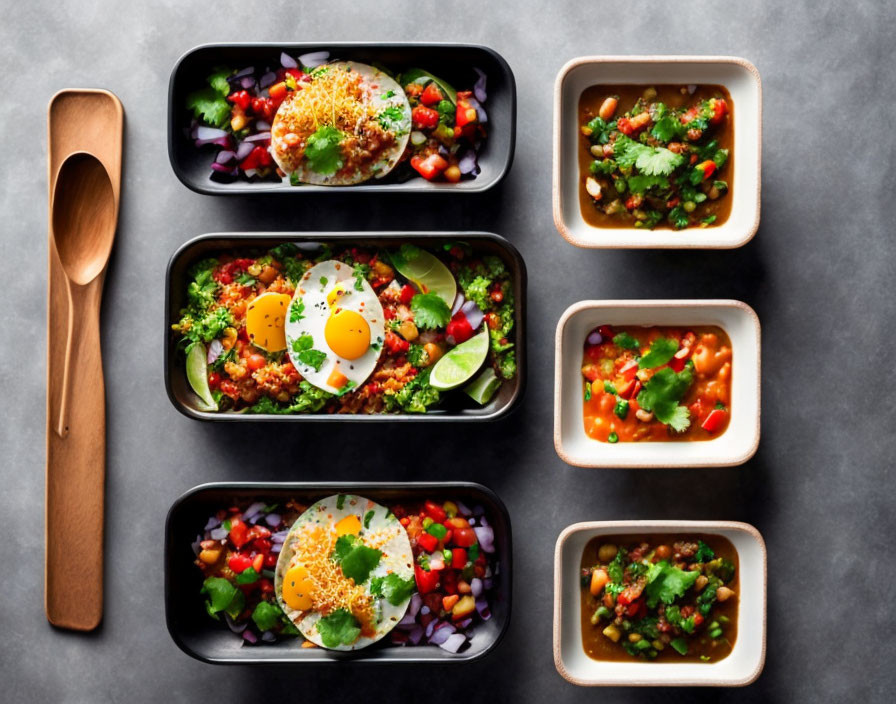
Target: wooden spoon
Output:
[(85, 129)]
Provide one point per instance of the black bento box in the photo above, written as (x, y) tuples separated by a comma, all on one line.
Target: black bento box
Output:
[(451, 62), (508, 397), (204, 639)]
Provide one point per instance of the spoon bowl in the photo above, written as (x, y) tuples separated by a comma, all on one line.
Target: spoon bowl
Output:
[(84, 217)]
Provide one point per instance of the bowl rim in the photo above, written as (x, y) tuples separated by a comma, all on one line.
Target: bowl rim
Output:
[(593, 304), (349, 235), (173, 129), (557, 158), (336, 487), (641, 525)]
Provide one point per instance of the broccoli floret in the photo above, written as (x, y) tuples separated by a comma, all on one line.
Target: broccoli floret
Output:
[(477, 291), (415, 396), (507, 365), (417, 356), (494, 266)]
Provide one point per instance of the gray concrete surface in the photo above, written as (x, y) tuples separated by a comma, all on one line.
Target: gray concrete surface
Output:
[(819, 273)]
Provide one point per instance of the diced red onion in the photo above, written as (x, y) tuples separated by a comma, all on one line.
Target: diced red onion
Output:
[(416, 603), (219, 533), (234, 626), (479, 86), (482, 608), (474, 315), (467, 162), (424, 610), (462, 509), (247, 83), (453, 643), (441, 633), (253, 510), (314, 58), (279, 537), (465, 623), (286, 61), (487, 583), (480, 111), (214, 351), (276, 547), (476, 587), (250, 637), (471, 521), (458, 302), (195, 545), (595, 338), (416, 635), (273, 519), (250, 172), (267, 80), (208, 134), (483, 521), (220, 141), (260, 137), (443, 151), (263, 125), (243, 150), (430, 628), (408, 620), (213, 522), (437, 561), (223, 157), (486, 536), (268, 637), (245, 72)]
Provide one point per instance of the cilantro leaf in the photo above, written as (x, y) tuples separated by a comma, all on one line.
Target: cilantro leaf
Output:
[(668, 128), (659, 161), (323, 152), (359, 562), (626, 342), (430, 311), (360, 272), (678, 217), (667, 583), (704, 552), (661, 351), (603, 166), (222, 596), (640, 183), (392, 118), (266, 615), (247, 576), (662, 393), (218, 80), (209, 106), (296, 310), (392, 588), (306, 355), (339, 628), (344, 545)]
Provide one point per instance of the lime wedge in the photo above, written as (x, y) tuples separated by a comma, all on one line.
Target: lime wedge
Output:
[(460, 364), (197, 375), (426, 272), (483, 387)]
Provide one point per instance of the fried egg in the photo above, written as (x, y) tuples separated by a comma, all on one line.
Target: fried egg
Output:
[(335, 328)]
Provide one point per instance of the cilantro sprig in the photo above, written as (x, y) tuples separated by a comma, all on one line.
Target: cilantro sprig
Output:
[(430, 311)]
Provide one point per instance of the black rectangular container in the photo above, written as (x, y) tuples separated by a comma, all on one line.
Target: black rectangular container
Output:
[(204, 639), (183, 398), (452, 62)]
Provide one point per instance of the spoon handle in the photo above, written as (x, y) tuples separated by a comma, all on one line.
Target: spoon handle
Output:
[(61, 424), (76, 467)]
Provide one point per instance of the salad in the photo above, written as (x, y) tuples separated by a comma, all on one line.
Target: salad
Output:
[(349, 330), (316, 120), (656, 157), (453, 583)]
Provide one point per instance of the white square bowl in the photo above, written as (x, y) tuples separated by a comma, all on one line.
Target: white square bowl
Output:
[(735, 446), (740, 668), (742, 80)]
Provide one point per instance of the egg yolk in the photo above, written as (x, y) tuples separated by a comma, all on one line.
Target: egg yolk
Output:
[(347, 334), (350, 525), (297, 588), (334, 296)]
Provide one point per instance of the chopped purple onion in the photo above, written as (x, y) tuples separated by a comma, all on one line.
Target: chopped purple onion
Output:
[(219, 533), (245, 72), (276, 548), (267, 79), (253, 510), (234, 626), (220, 141), (453, 643), (250, 637), (483, 521), (441, 633), (263, 125), (279, 537), (268, 637), (223, 157), (466, 623), (416, 635), (209, 134), (213, 522), (260, 137), (488, 583), (476, 587), (467, 162), (443, 151), (595, 338), (314, 58), (486, 537), (458, 302), (479, 86), (243, 150), (195, 545), (473, 314), (462, 509), (480, 111), (247, 83), (416, 603), (214, 351), (286, 61), (482, 608), (250, 172), (430, 628), (273, 519), (471, 521), (408, 620), (424, 610)]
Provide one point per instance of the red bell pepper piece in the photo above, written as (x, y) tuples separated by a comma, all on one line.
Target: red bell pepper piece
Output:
[(459, 328), (431, 94), (707, 167), (427, 542), (239, 562), (434, 511), (624, 125), (625, 391), (629, 369), (241, 98), (427, 580), (429, 167), (458, 558), (425, 117), (714, 420), (239, 532), (466, 113), (258, 158), (407, 293)]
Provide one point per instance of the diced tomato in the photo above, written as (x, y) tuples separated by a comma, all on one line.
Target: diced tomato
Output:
[(627, 389), (635, 607), (425, 117), (256, 532), (258, 158), (466, 113), (241, 98), (229, 388), (278, 91), (714, 420), (239, 562), (270, 560), (427, 542), (458, 558), (429, 167), (629, 369), (296, 73), (459, 328), (464, 537), (395, 344), (624, 125), (431, 94), (263, 545), (256, 362), (434, 511), (719, 108), (407, 293), (258, 563), (689, 116), (606, 332), (676, 364), (427, 580), (708, 168), (239, 532), (493, 320), (214, 380)]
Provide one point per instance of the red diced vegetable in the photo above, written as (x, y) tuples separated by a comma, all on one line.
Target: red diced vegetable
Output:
[(466, 113), (407, 293), (434, 511), (427, 542), (239, 562), (458, 558), (459, 328), (425, 117), (429, 167), (427, 580), (239, 532), (241, 98), (708, 168), (714, 420), (431, 94)]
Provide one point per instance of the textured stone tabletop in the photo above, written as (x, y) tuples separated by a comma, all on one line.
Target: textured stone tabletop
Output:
[(819, 273)]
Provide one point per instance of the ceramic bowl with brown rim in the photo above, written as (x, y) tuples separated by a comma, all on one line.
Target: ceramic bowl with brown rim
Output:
[(734, 446), (739, 78), (739, 668)]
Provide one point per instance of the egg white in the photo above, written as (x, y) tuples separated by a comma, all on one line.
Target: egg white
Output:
[(312, 290)]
